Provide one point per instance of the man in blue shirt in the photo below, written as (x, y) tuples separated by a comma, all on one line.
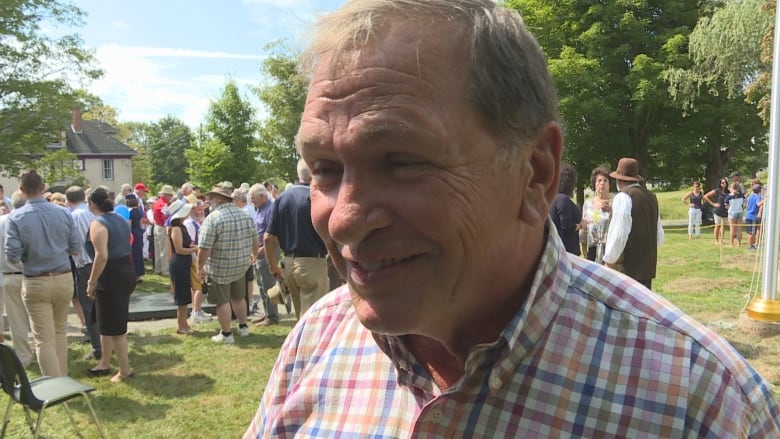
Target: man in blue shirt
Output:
[(262, 203), (290, 228), (41, 235), (82, 217)]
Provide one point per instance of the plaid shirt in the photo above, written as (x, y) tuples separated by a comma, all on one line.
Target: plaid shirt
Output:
[(228, 231), (592, 353)]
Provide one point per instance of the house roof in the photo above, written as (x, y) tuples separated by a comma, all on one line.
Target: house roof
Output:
[(96, 138)]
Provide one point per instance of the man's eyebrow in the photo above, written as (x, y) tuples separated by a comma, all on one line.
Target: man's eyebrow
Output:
[(368, 132)]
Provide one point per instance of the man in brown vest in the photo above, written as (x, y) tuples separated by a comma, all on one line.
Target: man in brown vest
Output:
[(635, 230)]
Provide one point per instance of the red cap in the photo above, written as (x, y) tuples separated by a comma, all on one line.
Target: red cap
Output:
[(141, 187)]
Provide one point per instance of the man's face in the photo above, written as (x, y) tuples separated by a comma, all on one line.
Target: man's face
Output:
[(186, 190), (141, 193), (259, 199), (406, 192)]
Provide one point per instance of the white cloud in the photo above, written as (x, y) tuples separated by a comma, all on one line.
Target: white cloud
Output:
[(147, 83), (181, 53)]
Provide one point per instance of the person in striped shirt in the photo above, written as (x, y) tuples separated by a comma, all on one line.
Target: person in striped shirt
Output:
[(431, 131)]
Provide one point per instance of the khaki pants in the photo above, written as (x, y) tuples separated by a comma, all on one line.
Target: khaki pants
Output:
[(160, 251), (307, 279), (47, 299), (17, 317)]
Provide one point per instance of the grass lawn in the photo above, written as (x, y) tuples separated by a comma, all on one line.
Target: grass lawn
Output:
[(189, 387)]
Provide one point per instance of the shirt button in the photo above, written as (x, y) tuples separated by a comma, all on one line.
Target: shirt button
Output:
[(495, 382), (437, 416)]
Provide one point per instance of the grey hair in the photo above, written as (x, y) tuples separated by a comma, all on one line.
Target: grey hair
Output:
[(17, 199), (186, 185), (511, 85), (304, 173), (257, 189)]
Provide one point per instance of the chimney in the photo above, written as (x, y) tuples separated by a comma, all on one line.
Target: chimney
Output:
[(76, 120)]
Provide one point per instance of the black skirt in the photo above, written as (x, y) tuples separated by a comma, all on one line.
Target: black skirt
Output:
[(112, 300)]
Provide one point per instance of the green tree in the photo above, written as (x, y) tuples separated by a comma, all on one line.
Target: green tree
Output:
[(230, 122), (166, 141), (59, 167), (732, 51), (726, 53), (36, 71), (611, 62), (207, 161), (284, 94), (137, 139)]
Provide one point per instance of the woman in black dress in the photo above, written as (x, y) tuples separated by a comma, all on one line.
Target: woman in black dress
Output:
[(111, 282), (181, 259)]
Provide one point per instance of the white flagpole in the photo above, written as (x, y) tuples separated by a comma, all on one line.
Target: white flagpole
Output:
[(767, 308)]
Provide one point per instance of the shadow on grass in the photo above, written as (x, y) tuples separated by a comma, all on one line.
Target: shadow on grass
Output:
[(170, 386), (122, 410)]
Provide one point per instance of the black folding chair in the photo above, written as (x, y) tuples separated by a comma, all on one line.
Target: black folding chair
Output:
[(40, 393)]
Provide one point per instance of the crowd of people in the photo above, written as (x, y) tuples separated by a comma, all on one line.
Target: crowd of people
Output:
[(587, 231), (102, 241), (732, 206)]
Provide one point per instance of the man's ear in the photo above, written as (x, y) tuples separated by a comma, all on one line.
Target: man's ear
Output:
[(543, 167)]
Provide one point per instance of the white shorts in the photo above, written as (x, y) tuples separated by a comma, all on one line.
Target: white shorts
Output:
[(719, 220)]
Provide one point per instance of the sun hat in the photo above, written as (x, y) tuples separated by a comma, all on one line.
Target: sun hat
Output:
[(221, 190), (192, 199), (182, 212), (174, 207), (627, 170)]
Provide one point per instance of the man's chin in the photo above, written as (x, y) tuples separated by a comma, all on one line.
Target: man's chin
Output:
[(382, 321)]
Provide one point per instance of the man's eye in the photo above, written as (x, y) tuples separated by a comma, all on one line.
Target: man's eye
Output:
[(325, 174)]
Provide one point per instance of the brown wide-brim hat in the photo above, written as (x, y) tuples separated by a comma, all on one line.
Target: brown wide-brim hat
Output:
[(222, 191), (627, 170)]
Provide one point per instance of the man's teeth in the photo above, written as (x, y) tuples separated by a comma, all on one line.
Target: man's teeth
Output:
[(378, 265)]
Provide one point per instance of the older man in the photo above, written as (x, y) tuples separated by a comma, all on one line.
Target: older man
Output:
[(635, 231), (42, 236), (228, 242), (160, 214), (262, 203), (290, 229), (463, 315), (11, 288)]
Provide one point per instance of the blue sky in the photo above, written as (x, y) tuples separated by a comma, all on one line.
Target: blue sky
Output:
[(174, 56)]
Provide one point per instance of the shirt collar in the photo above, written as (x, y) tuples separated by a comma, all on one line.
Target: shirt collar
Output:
[(520, 337)]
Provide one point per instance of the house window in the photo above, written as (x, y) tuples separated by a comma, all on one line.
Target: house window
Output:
[(78, 164), (108, 169)]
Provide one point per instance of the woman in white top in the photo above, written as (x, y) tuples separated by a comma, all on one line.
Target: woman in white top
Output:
[(595, 214)]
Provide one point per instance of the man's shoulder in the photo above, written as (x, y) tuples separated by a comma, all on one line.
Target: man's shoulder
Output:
[(655, 321)]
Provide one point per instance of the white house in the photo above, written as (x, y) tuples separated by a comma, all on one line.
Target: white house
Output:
[(102, 159)]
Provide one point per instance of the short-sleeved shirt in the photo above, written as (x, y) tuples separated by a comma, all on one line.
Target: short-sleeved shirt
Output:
[(41, 235), (158, 213), (290, 221), (591, 353), (751, 213), (228, 231), (734, 203), (82, 218), (261, 217)]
